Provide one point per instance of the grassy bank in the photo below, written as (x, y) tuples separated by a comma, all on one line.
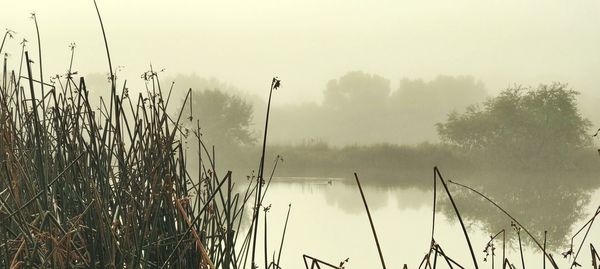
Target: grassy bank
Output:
[(406, 165)]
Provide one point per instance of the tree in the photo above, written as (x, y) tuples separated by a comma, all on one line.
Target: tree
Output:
[(357, 90), (225, 119), (223, 112), (527, 126), (438, 96)]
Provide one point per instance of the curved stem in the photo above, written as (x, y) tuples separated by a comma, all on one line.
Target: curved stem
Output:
[(506, 213)]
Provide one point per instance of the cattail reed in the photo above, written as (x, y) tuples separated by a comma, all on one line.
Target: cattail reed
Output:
[(82, 187)]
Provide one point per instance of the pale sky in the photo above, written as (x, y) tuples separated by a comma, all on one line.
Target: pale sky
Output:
[(306, 43)]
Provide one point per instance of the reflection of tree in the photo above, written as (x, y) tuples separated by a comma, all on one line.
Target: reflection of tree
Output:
[(411, 198), (538, 202), (347, 197)]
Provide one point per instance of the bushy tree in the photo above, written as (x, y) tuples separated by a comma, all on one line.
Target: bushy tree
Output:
[(521, 126), (225, 119), (223, 112)]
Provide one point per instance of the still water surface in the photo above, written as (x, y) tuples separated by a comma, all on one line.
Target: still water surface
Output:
[(328, 221)]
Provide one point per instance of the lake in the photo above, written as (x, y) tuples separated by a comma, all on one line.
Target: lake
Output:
[(328, 221)]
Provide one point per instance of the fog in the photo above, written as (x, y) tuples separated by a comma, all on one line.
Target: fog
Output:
[(310, 42), (352, 73), (502, 95)]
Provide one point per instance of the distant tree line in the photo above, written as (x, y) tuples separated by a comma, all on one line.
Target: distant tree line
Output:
[(362, 108), (522, 127)]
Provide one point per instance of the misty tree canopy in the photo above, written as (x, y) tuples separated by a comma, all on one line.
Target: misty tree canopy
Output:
[(357, 89), (523, 125), (363, 108), (225, 119), (440, 95), (222, 111)]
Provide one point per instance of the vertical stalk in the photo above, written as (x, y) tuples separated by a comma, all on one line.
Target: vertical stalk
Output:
[(521, 249), (283, 236), (37, 30), (266, 257), (435, 257), (228, 236), (433, 211), (259, 182), (503, 248), (595, 256), (544, 257), (36, 128)]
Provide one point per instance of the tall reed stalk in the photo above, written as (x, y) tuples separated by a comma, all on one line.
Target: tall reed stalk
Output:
[(108, 187)]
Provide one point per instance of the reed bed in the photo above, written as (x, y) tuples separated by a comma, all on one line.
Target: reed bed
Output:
[(85, 188), (111, 187)]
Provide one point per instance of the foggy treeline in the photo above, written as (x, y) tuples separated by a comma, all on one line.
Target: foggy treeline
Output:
[(362, 123), (361, 108)]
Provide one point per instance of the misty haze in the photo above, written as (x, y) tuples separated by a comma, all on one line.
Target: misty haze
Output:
[(147, 134)]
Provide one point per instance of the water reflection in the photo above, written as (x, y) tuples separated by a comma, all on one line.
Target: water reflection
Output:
[(329, 221), (342, 195), (540, 202)]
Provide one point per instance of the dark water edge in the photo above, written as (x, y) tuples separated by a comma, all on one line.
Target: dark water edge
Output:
[(412, 166)]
